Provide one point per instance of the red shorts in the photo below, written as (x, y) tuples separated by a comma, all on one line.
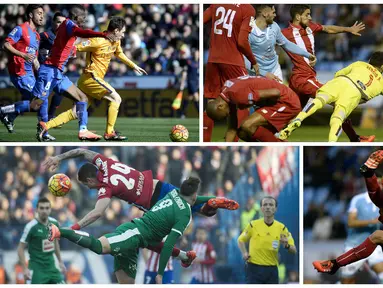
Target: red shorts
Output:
[(304, 87), (280, 114), (216, 76)]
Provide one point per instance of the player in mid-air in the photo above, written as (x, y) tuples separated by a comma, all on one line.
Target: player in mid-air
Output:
[(369, 245), (263, 38), (46, 43), (303, 79), (353, 85), (99, 52), (50, 75), (41, 266), (230, 28), (362, 221), (168, 217), (115, 179), (276, 106), (22, 45)]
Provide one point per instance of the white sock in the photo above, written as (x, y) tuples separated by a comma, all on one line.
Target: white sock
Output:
[(8, 109), (182, 256)]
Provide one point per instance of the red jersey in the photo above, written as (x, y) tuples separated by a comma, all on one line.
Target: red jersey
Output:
[(243, 91), (63, 46), (203, 271), (304, 38), (24, 39), (231, 25), (121, 181)]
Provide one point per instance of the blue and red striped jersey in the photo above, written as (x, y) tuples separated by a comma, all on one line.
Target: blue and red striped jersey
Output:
[(26, 40)]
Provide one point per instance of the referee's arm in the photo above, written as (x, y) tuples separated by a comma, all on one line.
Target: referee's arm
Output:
[(242, 240), (287, 241)]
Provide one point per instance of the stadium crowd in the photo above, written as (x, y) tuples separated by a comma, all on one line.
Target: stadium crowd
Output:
[(337, 50), (224, 171), (157, 36), (331, 179)]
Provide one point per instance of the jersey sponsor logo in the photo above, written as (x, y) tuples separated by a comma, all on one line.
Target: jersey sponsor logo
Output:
[(13, 32), (30, 50), (174, 193), (40, 230), (86, 43), (264, 111), (140, 184), (101, 191), (48, 246)]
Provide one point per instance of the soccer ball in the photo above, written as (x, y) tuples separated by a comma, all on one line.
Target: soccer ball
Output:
[(179, 133), (59, 185)]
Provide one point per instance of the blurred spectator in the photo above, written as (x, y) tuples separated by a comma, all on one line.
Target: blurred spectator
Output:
[(251, 212), (149, 36)]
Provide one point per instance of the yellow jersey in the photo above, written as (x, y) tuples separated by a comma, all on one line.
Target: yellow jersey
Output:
[(264, 241), (365, 77), (99, 54)]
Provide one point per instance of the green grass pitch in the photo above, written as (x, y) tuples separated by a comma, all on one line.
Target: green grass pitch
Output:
[(310, 134), (136, 129)]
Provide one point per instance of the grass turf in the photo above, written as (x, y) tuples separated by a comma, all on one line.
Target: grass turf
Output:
[(310, 134), (136, 129)]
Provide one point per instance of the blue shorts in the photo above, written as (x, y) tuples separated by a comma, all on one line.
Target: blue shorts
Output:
[(167, 188), (150, 277), (50, 79), (24, 84), (193, 86)]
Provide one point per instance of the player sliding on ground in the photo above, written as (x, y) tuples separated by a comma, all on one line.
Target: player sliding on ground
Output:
[(169, 217), (368, 246), (92, 83), (353, 85)]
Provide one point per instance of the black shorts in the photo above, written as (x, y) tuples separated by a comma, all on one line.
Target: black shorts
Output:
[(259, 274)]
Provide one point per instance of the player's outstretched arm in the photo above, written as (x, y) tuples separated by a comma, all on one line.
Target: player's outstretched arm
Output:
[(93, 215), (354, 222), (121, 55), (368, 171), (167, 251), (354, 29), (53, 162)]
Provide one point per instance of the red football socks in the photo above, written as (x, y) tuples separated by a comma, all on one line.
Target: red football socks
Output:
[(262, 134), (208, 125), (349, 130), (355, 254)]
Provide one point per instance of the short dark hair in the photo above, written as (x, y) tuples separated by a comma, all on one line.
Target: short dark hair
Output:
[(190, 186), (116, 22), (298, 9), (57, 14), (43, 200), (75, 11), (86, 171), (376, 59), (269, 197), (259, 8), (32, 7)]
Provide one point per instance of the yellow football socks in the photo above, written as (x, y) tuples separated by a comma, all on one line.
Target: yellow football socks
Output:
[(112, 117), (311, 108), (61, 119), (336, 121)]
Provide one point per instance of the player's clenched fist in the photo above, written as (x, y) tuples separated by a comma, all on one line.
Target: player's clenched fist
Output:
[(374, 160)]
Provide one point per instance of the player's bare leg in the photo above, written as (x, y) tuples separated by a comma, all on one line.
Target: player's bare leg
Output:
[(123, 278), (353, 255), (114, 104), (252, 129), (311, 107)]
